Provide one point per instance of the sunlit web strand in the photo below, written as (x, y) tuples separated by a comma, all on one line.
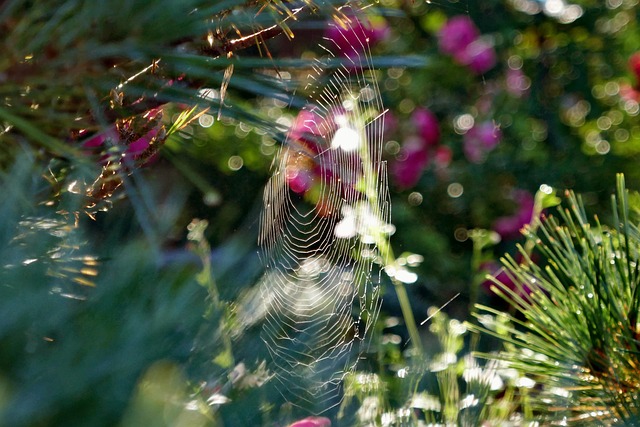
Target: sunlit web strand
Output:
[(319, 295)]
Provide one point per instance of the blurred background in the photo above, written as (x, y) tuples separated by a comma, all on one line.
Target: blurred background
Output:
[(127, 267)]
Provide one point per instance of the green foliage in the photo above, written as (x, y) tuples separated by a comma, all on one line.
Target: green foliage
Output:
[(75, 342)]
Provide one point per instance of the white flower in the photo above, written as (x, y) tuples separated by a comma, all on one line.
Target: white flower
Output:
[(361, 220)]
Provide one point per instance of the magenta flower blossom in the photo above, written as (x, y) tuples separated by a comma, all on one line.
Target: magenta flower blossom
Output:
[(458, 33), (411, 162), (478, 56), (442, 156), (311, 157), (390, 125), (496, 270), (499, 272), (480, 140), (509, 226), (138, 146), (629, 93), (634, 65), (312, 422), (98, 140), (303, 145), (118, 134), (299, 180), (306, 125), (460, 38), (427, 126), (357, 36), (415, 154)]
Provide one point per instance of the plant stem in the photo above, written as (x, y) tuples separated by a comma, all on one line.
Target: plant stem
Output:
[(407, 313), (371, 179)]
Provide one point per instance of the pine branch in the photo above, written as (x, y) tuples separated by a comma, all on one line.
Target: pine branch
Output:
[(576, 332), (83, 77)]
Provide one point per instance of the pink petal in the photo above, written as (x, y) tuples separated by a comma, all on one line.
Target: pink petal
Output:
[(412, 161), (479, 56), (300, 181), (100, 138), (312, 422), (138, 146), (356, 37), (427, 125)]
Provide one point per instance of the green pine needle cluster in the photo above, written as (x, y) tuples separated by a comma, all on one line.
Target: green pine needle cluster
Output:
[(574, 331)]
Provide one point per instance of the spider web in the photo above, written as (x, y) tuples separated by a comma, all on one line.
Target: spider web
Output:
[(325, 212)]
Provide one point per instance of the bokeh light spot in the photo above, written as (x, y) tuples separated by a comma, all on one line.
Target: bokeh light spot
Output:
[(415, 198), (463, 123), (235, 163), (455, 190), (206, 120), (461, 234)]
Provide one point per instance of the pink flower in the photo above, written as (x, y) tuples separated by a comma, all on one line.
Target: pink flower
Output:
[(499, 272), (460, 38), (312, 422), (458, 33), (309, 157), (99, 139), (416, 150), (478, 56), (628, 93), (138, 146), (300, 170), (390, 123), (134, 148), (299, 180), (306, 126), (427, 126), (133, 151), (634, 65), (481, 139), (357, 36), (509, 226), (411, 162), (442, 156)]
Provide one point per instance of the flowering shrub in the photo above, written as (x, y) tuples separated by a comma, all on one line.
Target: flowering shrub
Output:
[(501, 275), (410, 162), (634, 65), (427, 127)]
